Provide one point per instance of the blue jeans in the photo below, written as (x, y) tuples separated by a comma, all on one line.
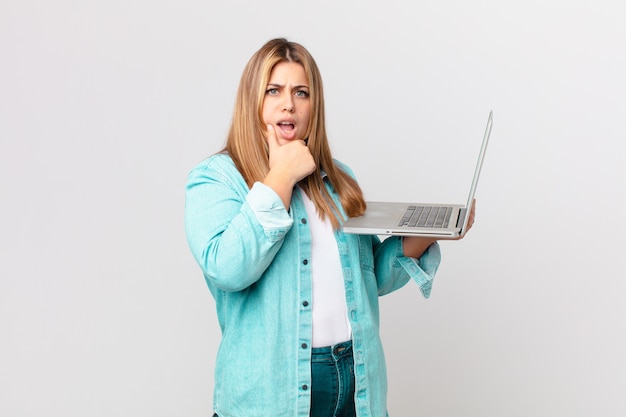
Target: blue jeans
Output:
[(332, 381)]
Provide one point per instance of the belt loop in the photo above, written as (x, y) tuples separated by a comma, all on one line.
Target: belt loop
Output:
[(340, 348)]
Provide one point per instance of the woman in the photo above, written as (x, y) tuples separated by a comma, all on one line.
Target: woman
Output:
[(296, 299)]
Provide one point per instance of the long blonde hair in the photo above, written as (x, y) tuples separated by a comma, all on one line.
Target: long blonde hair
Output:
[(248, 148)]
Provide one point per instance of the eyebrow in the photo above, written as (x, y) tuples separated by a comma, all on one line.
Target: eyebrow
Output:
[(282, 86)]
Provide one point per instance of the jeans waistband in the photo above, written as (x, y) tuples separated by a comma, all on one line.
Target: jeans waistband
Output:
[(336, 351)]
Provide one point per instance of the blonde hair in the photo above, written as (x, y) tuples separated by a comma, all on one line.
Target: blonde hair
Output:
[(248, 148)]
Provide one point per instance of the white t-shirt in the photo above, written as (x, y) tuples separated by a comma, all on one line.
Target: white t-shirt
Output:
[(329, 309)]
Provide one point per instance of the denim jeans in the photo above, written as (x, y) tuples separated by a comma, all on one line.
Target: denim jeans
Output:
[(332, 381)]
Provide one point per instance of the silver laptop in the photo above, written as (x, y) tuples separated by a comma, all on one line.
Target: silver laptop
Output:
[(419, 219)]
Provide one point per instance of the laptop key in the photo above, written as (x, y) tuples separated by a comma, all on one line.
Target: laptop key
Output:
[(426, 216)]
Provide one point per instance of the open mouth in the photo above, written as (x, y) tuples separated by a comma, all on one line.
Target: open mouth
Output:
[(287, 126), (287, 129)]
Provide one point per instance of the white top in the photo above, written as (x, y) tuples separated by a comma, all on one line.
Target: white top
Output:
[(329, 308)]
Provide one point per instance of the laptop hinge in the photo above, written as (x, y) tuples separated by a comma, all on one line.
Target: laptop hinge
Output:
[(461, 219)]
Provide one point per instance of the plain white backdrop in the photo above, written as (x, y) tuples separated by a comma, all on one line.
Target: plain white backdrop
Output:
[(106, 105)]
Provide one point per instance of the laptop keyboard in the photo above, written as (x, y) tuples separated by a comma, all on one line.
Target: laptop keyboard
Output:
[(426, 216)]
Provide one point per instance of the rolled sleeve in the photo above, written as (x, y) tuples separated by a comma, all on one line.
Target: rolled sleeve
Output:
[(423, 270), (269, 210)]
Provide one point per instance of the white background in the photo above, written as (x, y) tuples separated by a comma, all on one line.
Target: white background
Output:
[(106, 105)]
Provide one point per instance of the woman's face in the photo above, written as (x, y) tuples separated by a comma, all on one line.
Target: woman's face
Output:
[(286, 105)]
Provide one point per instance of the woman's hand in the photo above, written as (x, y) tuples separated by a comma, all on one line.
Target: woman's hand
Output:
[(415, 247), (289, 163), (470, 222)]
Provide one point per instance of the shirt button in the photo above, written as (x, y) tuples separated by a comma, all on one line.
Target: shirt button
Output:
[(306, 261), (305, 303), (303, 221), (304, 346), (305, 387)]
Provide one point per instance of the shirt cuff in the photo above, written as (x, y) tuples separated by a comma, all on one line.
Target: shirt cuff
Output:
[(268, 207), (423, 270)]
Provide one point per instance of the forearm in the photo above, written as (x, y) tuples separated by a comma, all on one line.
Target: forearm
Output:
[(238, 257), (282, 185), (233, 235), (414, 247)]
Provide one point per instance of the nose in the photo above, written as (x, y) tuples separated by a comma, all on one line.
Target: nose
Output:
[(288, 105)]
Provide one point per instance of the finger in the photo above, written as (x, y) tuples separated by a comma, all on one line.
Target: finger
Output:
[(272, 140)]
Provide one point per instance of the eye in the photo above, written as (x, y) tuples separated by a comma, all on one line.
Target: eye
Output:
[(302, 93), (271, 91)]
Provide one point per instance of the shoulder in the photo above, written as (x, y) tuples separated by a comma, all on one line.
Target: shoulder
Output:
[(219, 167), (219, 162)]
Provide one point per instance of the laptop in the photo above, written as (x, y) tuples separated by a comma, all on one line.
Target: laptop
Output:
[(419, 219)]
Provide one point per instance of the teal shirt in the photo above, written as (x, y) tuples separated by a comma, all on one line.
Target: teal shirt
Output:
[(255, 258)]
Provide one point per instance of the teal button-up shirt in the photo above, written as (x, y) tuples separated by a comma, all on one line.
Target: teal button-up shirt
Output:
[(255, 258)]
